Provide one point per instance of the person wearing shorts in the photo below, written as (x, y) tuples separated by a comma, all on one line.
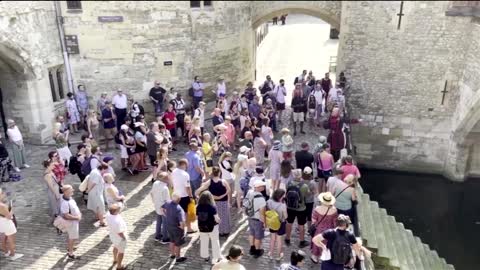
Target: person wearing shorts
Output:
[(108, 118), (118, 233), (7, 227), (279, 92), (70, 211), (298, 107), (175, 222), (256, 223), (300, 211)]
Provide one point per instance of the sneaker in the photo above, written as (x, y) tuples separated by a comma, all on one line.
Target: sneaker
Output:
[(16, 256), (280, 257), (172, 256), (16, 169), (287, 242), (165, 242), (270, 256), (258, 253), (26, 166), (181, 259), (303, 244), (252, 251)]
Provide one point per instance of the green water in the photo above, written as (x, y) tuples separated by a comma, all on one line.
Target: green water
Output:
[(444, 214)]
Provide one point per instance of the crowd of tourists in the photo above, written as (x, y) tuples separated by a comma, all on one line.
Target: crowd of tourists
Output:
[(238, 164)]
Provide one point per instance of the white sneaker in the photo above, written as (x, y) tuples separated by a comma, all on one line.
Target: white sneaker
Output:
[(26, 166), (16, 256), (6, 254), (16, 169)]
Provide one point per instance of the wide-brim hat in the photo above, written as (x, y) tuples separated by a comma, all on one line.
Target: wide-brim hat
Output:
[(285, 130), (259, 183), (277, 145), (327, 198)]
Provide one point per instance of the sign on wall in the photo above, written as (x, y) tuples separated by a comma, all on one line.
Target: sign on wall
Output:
[(110, 18), (72, 44)]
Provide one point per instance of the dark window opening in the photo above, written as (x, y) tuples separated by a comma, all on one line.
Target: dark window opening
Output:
[(74, 4), (60, 84), (207, 3), (52, 87), (194, 4)]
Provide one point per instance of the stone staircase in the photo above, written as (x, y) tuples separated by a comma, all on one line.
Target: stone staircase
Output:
[(395, 247)]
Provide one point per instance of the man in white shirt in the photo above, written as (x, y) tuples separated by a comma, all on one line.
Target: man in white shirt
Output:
[(198, 88), (280, 92), (18, 148), (181, 186), (160, 194), (200, 112), (120, 103), (118, 234)]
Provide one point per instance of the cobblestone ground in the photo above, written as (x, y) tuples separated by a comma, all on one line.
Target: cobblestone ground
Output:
[(44, 249)]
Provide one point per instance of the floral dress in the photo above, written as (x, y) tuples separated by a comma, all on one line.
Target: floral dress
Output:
[(73, 114)]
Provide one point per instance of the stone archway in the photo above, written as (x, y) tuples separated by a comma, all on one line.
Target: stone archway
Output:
[(23, 93), (328, 11)]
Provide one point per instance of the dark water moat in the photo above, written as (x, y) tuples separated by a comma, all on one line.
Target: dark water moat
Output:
[(444, 214)]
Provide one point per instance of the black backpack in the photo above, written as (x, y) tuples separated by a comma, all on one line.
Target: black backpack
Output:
[(142, 110), (74, 166), (341, 249), (191, 91), (295, 81), (293, 197), (86, 168), (204, 224), (312, 102)]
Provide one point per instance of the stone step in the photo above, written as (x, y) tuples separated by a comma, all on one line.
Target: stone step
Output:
[(415, 251), (422, 253), (380, 234), (391, 251), (402, 259), (429, 256), (405, 247), (368, 222)]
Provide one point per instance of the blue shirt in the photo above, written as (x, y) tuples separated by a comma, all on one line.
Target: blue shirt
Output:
[(174, 214), (193, 161), (255, 109), (82, 99), (107, 113), (197, 89)]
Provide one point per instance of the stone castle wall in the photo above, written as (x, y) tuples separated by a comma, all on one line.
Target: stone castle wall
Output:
[(397, 77), (209, 42)]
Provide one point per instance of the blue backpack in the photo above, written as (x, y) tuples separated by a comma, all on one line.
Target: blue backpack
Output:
[(245, 182)]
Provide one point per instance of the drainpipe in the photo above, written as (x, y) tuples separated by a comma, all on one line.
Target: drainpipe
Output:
[(66, 60)]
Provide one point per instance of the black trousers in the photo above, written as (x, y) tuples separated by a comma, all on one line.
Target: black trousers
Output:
[(181, 123), (121, 115)]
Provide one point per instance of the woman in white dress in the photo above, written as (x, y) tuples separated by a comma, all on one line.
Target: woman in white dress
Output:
[(73, 115), (96, 189)]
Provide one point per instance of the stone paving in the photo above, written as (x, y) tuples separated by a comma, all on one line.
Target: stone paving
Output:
[(44, 249)]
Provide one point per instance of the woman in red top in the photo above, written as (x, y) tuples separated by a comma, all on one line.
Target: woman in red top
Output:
[(170, 119)]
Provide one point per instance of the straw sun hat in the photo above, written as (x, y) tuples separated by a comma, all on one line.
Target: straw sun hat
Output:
[(326, 198)]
